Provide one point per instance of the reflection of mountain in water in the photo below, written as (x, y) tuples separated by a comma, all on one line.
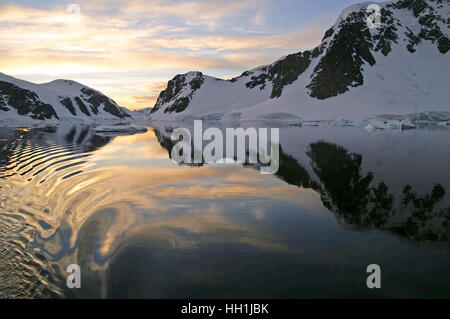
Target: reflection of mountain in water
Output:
[(131, 211), (29, 148), (79, 138), (354, 197)]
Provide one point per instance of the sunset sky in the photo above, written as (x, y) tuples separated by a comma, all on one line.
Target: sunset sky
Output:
[(129, 49)]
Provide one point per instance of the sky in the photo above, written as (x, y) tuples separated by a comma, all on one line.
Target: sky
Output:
[(129, 49)]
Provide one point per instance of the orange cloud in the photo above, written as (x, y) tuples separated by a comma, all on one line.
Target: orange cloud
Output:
[(127, 39)]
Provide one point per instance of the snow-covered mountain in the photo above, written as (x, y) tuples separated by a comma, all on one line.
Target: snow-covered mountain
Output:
[(57, 100), (139, 114), (401, 67)]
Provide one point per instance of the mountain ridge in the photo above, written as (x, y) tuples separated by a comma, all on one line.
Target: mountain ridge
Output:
[(355, 73), (55, 100), (350, 57)]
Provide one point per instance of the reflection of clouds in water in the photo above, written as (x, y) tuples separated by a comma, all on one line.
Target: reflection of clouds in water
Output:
[(90, 214), (137, 147), (137, 194), (210, 224)]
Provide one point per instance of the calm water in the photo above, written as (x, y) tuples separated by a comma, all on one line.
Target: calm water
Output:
[(141, 226)]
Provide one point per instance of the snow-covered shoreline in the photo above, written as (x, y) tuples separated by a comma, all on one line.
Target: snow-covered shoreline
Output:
[(138, 125)]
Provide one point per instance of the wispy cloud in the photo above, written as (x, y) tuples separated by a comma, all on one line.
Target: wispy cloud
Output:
[(153, 89), (143, 42)]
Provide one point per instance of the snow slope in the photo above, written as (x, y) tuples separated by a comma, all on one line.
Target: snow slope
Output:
[(57, 100), (138, 114), (399, 68)]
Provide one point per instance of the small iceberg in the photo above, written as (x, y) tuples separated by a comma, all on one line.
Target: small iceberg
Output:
[(377, 124), (381, 124), (340, 121)]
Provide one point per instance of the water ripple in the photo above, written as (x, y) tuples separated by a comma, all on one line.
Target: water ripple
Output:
[(29, 214)]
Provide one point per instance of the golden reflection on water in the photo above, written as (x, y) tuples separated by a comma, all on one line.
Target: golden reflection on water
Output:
[(140, 225), (80, 207)]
